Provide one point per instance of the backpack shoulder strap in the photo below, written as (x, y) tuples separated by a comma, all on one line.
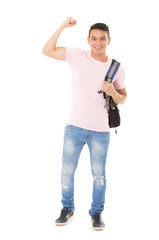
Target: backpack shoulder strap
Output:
[(109, 77), (112, 71)]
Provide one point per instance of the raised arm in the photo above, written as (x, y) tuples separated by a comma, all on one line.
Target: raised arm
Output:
[(50, 48)]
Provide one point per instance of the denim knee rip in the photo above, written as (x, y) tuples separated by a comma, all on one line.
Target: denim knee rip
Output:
[(99, 180), (66, 181)]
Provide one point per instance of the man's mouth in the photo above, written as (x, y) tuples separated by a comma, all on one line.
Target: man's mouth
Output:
[(98, 48)]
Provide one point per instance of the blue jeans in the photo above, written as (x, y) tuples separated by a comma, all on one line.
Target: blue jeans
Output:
[(74, 140)]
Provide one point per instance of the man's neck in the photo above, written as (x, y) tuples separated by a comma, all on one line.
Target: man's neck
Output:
[(101, 58)]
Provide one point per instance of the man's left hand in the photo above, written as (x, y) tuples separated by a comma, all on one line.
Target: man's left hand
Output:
[(108, 88)]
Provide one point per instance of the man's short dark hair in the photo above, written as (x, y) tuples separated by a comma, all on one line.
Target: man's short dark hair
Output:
[(100, 26)]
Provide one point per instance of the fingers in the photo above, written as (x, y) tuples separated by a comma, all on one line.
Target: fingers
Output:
[(70, 22), (106, 85), (108, 88)]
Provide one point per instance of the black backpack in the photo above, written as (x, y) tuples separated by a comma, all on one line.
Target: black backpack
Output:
[(111, 106)]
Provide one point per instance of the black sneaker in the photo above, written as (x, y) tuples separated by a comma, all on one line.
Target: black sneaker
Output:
[(97, 222), (66, 214)]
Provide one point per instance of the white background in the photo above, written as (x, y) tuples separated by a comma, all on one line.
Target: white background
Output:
[(34, 105)]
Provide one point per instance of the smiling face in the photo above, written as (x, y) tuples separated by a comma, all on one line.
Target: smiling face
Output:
[(98, 42)]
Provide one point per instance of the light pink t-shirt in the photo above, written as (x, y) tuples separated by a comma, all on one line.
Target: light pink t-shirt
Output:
[(87, 109)]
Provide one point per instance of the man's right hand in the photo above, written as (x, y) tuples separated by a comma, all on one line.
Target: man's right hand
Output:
[(70, 22)]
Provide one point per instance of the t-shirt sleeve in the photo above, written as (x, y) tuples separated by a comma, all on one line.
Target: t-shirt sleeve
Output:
[(68, 54), (72, 54), (119, 79)]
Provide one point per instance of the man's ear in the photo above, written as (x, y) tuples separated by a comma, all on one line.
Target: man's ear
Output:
[(109, 39), (88, 39)]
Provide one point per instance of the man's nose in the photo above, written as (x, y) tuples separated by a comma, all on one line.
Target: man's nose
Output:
[(98, 42)]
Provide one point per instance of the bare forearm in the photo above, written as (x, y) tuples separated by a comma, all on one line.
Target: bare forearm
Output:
[(51, 43), (118, 97)]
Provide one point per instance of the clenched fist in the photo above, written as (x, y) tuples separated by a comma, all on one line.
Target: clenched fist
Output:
[(108, 88), (70, 22)]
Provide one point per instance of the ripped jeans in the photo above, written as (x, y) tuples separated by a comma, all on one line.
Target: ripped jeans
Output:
[(74, 140)]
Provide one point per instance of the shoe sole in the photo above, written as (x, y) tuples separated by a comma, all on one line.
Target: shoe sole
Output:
[(63, 224), (98, 228)]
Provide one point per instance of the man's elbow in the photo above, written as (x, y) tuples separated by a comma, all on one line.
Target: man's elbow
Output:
[(45, 52), (48, 53)]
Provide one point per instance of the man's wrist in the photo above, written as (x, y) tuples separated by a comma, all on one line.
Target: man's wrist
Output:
[(115, 96)]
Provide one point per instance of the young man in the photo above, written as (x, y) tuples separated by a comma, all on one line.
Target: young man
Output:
[(88, 120)]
